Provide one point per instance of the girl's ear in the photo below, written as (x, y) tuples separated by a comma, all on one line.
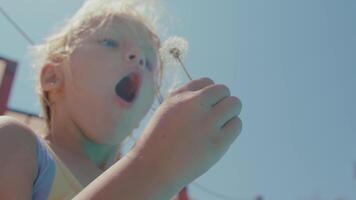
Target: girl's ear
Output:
[(51, 77)]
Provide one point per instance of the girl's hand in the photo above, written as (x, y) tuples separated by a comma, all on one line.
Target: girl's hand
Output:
[(190, 131)]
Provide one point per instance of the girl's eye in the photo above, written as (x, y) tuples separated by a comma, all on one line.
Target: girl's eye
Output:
[(109, 42)]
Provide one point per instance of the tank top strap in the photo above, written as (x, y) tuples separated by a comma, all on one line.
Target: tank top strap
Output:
[(54, 180), (65, 171), (45, 171)]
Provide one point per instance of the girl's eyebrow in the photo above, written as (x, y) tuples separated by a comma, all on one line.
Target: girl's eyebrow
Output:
[(153, 41), (109, 34)]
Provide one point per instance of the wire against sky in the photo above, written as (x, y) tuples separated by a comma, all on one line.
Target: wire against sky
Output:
[(17, 27), (216, 194)]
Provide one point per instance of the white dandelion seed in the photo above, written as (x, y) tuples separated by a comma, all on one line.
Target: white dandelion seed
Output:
[(173, 50)]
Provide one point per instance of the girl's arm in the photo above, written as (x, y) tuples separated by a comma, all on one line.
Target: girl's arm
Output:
[(131, 178)]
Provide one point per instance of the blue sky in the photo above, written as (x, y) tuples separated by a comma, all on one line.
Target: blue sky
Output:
[(292, 64)]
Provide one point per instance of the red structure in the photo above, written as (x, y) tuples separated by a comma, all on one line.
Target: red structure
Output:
[(7, 74), (183, 194)]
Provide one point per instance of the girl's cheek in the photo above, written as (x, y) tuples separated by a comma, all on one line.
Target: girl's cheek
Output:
[(148, 85)]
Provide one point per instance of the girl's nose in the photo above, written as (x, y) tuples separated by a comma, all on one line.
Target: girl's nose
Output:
[(135, 57)]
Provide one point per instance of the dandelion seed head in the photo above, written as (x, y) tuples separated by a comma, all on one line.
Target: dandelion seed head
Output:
[(172, 49)]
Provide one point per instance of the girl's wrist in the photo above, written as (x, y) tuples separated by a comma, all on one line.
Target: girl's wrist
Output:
[(150, 168)]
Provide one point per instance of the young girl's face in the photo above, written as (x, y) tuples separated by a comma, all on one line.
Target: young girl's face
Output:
[(110, 82)]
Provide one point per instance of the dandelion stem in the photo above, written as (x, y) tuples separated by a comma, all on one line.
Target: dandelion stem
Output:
[(181, 63), (160, 98)]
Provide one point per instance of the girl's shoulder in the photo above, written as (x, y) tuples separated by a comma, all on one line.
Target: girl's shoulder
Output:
[(33, 162), (18, 149), (17, 136)]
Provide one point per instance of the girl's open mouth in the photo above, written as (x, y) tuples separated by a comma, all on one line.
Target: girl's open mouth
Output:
[(128, 87)]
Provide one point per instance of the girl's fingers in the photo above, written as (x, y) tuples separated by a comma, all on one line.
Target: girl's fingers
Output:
[(231, 129), (228, 133), (195, 85), (212, 94), (225, 110)]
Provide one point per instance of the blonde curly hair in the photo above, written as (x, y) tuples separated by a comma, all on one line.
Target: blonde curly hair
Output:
[(58, 46)]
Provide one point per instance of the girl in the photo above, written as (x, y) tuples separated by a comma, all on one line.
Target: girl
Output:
[(97, 79)]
